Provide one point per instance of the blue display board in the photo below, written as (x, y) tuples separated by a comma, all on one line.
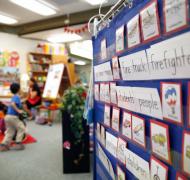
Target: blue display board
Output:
[(175, 131)]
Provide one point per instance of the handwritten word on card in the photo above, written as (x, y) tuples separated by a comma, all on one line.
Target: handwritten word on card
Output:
[(142, 100), (103, 72), (171, 61), (137, 166)]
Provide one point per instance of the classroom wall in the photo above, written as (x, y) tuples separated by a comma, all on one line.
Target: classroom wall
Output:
[(12, 42)]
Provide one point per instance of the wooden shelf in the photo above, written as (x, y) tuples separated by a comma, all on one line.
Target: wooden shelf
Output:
[(39, 72), (39, 63), (40, 54)]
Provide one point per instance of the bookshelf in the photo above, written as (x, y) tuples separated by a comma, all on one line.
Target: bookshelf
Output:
[(38, 68)]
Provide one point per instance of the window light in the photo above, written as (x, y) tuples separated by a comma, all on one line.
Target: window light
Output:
[(65, 37), (95, 2), (36, 6), (7, 20), (80, 63)]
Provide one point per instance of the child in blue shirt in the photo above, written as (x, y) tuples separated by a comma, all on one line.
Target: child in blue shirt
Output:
[(12, 121)]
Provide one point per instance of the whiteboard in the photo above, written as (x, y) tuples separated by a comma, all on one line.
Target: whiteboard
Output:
[(53, 81)]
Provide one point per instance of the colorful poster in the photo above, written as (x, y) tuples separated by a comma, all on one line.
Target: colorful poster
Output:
[(186, 152), (120, 39), (160, 143), (175, 15), (158, 170), (111, 144), (115, 118), (103, 49), (150, 24), (137, 166), (55, 73), (172, 102), (127, 125), (113, 93), (120, 173), (107, 118), (138, 131), (115, 68), (121, 145), (141, 100), (133, 32)]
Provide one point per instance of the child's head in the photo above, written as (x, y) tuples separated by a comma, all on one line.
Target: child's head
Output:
[(15, 87)]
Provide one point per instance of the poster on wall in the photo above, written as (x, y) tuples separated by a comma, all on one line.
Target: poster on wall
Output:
[(120, 173), (103, 49), (138, 130), (55, 73), (158, 169), (186, 152), (160, 143), (115, 118), (150, 24), (120, 39), (113, 93), (175, 15), (121, 145), (133, 32), (115, 68), (107, 111), (172, 102), (127, 125)]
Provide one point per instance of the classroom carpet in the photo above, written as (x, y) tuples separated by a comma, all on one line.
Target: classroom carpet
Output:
[(28, 139), (41, 160)]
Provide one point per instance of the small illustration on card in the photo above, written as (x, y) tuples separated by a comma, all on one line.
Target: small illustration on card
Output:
[(120, 173), (96, 92), (150, 24), (127, 125), (186, 152), (160, 140), (103, 49), (115, 68), (113, 93), (159, 171), (133, 32), (120, 39), (175, 15), (121, 145), (115, 118), (172, 102), (138, 130), (107, 112)]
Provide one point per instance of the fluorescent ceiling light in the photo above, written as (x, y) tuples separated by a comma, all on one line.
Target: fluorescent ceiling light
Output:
[(65, 37), (95, 2), (82, 49), (80, 63), (7, 20), (36, 6)]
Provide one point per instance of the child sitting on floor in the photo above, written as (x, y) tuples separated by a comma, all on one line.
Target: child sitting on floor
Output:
[(13, 123)]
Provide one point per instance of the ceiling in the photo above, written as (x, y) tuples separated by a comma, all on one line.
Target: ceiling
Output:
[(63, 7), (43, 35)]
